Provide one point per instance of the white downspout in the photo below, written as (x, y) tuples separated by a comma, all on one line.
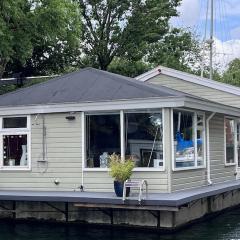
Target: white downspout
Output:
[(208, 150)]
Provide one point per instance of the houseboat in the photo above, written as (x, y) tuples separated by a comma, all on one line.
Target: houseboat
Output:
[(181, 131)]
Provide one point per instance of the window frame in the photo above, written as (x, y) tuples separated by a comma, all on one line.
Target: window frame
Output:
[(122, 139), (16, 131), (235, 142), (195, 112)]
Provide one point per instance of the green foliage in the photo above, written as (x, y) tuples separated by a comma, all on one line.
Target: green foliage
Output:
[(128, 68), (12, 87), (123, 28), (232, 74), (37, 26), (120, 170), (179, 49)]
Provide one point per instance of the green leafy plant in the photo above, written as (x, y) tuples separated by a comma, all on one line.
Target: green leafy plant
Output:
[(120, 170)]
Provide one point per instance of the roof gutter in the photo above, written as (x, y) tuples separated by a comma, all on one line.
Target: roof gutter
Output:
[(208, 149)]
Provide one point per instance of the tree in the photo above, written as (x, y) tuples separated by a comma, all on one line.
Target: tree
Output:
[(232, 74), (28, 25), (128, 68), (179, 49), (123, 28)]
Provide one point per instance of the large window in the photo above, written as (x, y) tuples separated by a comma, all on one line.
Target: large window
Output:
[(103, 138), (144, 138), (189, 139), (14, 139), (230, 143), (140, 133)]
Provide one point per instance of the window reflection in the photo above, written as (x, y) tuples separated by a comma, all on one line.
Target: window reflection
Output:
[(103, 138), (189, 137), (15, 150), (229, 137), (144, 134)]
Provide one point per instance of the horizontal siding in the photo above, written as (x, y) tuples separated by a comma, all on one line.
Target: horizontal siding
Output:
[(102, 181), (187, 179), (63, 155), (219, 172), (197, 90)]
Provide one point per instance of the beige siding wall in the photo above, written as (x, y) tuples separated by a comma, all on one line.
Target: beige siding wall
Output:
[(187, 179), (63, 156), (197, 90), (157, 180), (219, 172), (64, 161)]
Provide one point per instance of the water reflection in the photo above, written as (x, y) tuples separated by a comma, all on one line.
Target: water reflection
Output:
[(223, 227)]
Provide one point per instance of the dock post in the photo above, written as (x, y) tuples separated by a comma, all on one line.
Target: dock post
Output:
[(209, 204), (66, 211), (158, 219), (111, 216), (14, 214)]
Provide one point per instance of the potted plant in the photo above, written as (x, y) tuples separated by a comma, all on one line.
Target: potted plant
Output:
[(120, 170)]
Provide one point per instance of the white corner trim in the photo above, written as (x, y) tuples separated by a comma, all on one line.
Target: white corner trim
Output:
[(148, 75), (189, 78)]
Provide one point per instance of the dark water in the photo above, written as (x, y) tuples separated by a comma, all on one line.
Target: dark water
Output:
[(224, 227)]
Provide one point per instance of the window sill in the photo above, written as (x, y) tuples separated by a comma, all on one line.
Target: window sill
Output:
[(134, 170), (230, 164), (18, 169), (188, 168)]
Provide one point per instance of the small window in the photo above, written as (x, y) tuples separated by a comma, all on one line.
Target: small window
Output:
[(14, 143), (15, 122), (229, 141), (15, 150)]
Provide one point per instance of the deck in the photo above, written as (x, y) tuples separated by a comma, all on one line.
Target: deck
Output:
[(175, 199)]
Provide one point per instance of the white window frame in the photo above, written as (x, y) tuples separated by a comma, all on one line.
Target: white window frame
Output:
[(16, 131), (122, 140), (195, 112), (235, 142)]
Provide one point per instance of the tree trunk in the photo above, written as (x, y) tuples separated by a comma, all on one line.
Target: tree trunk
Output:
[(103, 62), (3, 64)]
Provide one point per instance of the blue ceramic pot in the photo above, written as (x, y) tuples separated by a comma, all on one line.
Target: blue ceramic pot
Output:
[(118, 187)]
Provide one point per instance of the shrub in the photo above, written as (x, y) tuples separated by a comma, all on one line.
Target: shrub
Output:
[(120, 170)]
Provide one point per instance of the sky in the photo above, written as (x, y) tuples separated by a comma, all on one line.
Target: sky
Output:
[(192, 14)]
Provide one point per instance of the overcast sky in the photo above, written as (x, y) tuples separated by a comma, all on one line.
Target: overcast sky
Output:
[(226, 25)]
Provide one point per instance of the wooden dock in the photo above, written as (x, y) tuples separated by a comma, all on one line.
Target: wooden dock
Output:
[(160, 210)]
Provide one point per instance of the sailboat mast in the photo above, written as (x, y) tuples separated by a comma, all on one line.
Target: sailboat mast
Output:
[(211, 42)]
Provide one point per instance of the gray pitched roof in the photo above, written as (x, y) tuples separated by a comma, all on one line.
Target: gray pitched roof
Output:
[(86, 85)]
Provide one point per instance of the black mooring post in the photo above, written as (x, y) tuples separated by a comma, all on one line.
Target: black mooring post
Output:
[(158, 219), (66, 211), (14, 209), (111, 216)]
